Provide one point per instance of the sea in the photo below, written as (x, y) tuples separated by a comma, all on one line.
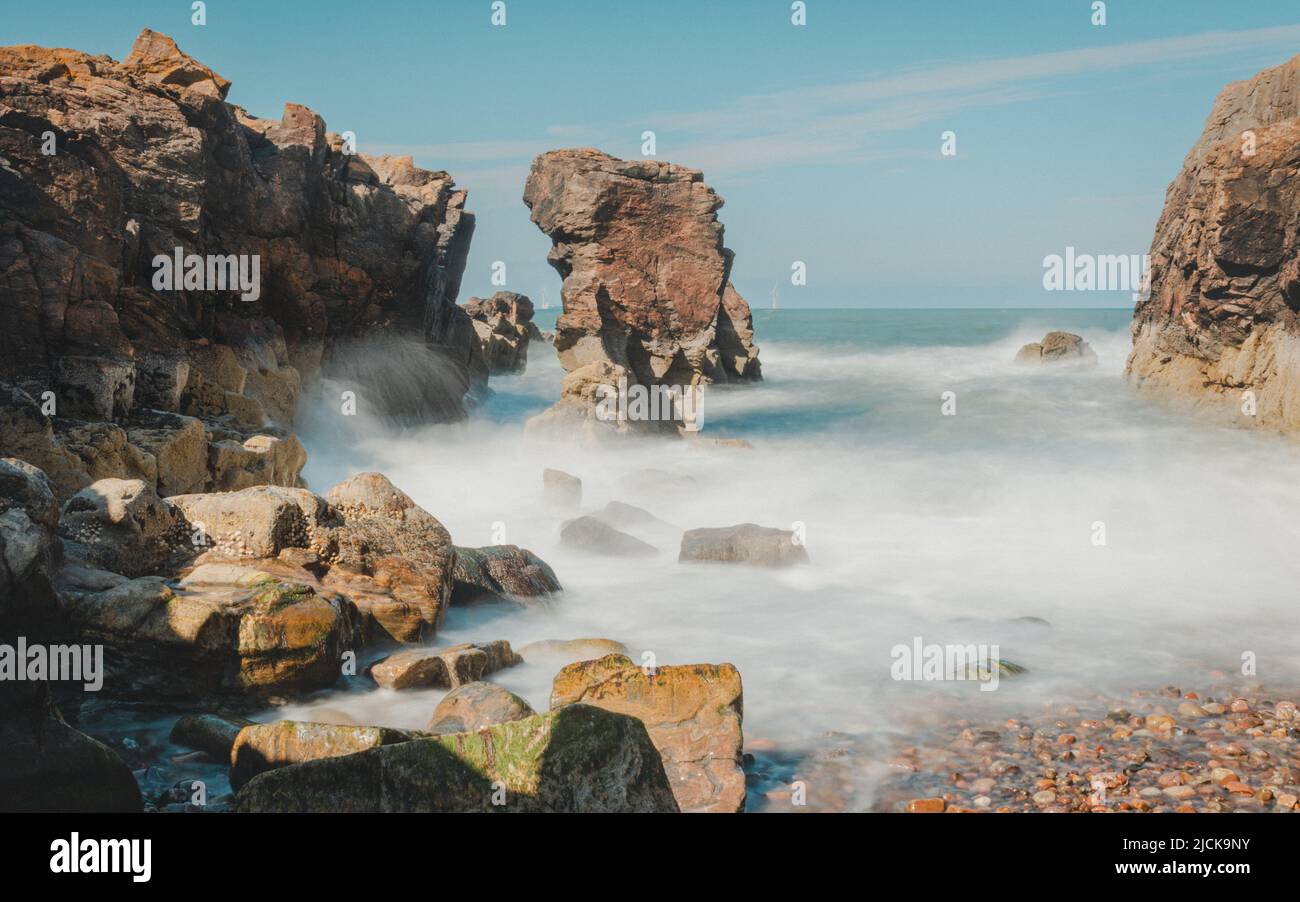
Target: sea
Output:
[(1096, 539)]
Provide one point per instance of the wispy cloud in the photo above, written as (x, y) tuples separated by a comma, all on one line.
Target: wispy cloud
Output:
[(836, 123)]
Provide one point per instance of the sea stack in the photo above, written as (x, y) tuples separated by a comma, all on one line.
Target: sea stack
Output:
[(646, 290), (1219, 327)]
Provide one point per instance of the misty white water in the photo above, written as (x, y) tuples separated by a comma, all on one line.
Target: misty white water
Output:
[(947, 528)]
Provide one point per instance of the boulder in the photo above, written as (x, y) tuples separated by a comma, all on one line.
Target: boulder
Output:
[(595, 536), (208, 733), (1057, 347), (578, 759), (692, 712), (179, 448), (471, 707), (560, 489), (746, 543), (122, 525), (382, 521), (566, 651), (261, 747), (501, 572), (444, 668), (257, 522), (222, 632)]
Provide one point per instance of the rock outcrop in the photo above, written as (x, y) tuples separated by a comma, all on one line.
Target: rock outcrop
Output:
[(291, 247), (577, 759), (1057, 347), (1220, 326), (646, 287), (504, 325), (693, 713)]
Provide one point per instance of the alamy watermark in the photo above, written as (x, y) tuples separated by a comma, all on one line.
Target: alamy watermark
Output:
[(1072, 271), (34, 663), (932, 662), (213, 272), (655, 403)]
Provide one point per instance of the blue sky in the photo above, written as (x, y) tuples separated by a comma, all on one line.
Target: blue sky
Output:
[(824, 139)]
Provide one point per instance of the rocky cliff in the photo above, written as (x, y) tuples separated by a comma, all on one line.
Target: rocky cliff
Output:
[(282, 247), (646, 287), (1219, 327)]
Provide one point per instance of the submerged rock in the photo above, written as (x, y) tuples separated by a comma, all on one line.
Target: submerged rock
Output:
[(743, 544), (444, 668), (692, 712), (560, 489), (208, 733), (474, 706), (1057, 347), (577, 759), (502, 572), (504, 325), (598, 537), (569, 650)]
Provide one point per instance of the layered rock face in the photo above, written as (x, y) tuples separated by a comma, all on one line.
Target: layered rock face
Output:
[(1219, 327), (646, 288), (106, 168)]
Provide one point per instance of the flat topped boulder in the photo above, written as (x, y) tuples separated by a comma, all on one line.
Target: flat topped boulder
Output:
[(444, 668), (222, 631), (746, 543), (693, 713), (577, 759), (1057, 347)]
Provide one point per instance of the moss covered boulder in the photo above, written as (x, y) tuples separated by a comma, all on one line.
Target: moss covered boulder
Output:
[(221, 631), (693, 713), (577, 759)]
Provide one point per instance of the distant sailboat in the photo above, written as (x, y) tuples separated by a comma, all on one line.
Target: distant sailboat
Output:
[(774, 307), (546, 305)]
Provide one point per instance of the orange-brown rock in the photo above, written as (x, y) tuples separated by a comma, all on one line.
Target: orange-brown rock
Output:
[(110, 166), (693, 713), (646, 276), (1221, 324)]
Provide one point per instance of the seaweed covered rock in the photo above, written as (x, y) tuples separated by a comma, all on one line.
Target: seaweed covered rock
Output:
[(577, 759)]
